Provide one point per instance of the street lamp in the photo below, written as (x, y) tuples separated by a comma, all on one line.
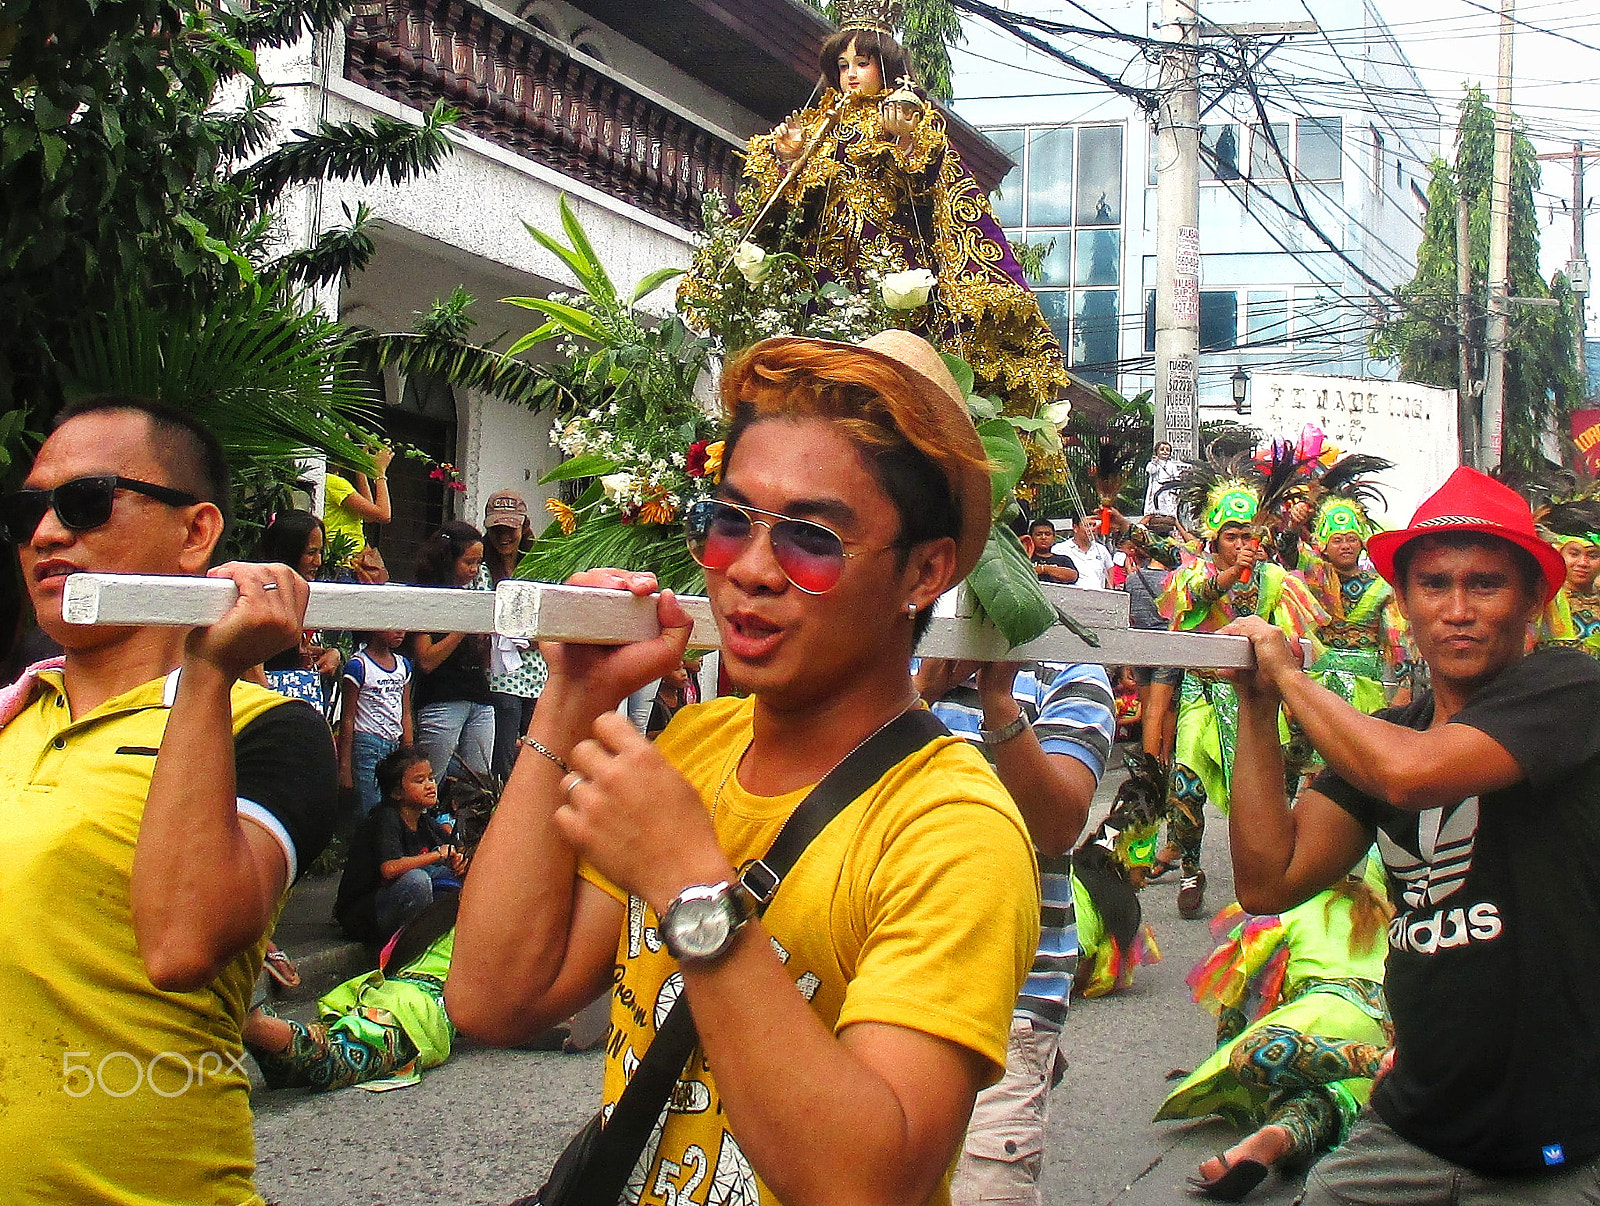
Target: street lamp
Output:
[(1241, 390)]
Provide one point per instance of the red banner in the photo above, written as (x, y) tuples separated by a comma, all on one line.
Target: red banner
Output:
[(1586, 435)]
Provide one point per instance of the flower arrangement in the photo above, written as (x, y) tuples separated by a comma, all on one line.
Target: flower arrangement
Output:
[(640, 449)]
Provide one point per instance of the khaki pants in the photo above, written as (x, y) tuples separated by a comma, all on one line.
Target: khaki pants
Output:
[(1004, 1151)]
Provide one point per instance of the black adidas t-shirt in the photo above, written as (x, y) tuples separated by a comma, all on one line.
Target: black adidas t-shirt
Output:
[(1494, 953)]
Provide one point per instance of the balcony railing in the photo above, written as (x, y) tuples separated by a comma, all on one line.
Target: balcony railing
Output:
[(526, 94)]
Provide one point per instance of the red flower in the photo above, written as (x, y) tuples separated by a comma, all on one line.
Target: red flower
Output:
[(697, 458)]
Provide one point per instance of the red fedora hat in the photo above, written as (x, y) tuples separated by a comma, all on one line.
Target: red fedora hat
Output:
[(1470, 501)]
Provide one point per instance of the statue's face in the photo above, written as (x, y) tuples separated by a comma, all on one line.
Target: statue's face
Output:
[(859, 74)]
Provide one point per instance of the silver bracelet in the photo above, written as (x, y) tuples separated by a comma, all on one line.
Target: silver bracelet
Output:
[(550, 754)]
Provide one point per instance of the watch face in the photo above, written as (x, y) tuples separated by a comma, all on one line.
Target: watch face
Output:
[(700, 928)]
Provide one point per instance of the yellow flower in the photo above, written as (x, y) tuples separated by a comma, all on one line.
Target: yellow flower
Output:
[(564, 515), (658, 510), (714, 461)]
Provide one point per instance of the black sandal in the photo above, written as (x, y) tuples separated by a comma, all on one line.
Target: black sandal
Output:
[(1236, 1182)]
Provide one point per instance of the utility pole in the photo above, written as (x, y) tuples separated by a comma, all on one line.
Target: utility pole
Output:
[(1469, 387), (1578, 267), (1177, 398), (1492, 434)]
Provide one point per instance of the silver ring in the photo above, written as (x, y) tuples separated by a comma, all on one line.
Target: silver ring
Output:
[(269, 586), (573, 784)]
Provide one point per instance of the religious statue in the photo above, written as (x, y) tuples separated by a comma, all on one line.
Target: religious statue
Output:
[(864, 184)]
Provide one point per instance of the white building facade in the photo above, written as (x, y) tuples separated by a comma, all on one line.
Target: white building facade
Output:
[(1336, 138)]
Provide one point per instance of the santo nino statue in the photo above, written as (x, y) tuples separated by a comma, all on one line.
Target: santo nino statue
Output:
[(876, 184)]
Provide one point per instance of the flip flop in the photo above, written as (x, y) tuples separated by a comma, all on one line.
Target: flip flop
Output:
[(1232, 1186), (281, 968)]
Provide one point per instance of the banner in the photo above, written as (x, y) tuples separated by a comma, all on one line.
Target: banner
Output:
[(1412, 425), (1586, 435)]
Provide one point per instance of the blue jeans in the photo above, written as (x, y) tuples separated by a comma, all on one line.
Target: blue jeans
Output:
[(511, 716), (402, 899), (366, 751), (456, 728)]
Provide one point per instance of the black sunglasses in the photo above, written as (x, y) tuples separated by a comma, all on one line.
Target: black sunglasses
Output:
[(81, 505)]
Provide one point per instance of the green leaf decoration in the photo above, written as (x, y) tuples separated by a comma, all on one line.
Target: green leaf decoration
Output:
[(649, 284), (959, 369), (1008, 456), (599, 285), (571, 318), (590, 464), (1008, 590)]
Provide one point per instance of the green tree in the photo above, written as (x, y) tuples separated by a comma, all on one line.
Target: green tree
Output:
[(1543, 381), (125, 181)]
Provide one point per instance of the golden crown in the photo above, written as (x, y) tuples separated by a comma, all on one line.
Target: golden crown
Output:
[(880, 16)]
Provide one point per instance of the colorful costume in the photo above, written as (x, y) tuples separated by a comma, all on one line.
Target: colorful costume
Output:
[(1571, 618), (375, 1031), (1208, 709), (861, 201), (1301, 1022), (1113, 938), (1366, 637)]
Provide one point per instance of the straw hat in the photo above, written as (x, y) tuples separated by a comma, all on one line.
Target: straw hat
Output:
[(964, 461)]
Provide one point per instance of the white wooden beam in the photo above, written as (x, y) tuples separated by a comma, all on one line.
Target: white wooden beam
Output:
[(588, 615)]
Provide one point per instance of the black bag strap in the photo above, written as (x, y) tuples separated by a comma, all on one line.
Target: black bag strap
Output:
[(617, 1149)]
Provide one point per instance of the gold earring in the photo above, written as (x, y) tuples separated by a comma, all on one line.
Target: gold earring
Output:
[(911, 611)]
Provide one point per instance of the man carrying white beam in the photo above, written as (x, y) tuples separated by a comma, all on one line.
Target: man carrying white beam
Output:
[(156, 809), (851, 1026)]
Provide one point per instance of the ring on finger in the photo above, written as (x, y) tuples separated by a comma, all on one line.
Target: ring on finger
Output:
[(571, 784), (269, 586)]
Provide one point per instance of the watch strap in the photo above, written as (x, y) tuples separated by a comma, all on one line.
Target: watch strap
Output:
[(1015, 728)]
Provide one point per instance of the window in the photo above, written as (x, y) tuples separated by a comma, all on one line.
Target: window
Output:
[(1375, 176), (1319, 147), (1219, 320), (1008, 197), (1267, 316), (1265, 163), (1219, 152), (1067, 188), (1099, 258), (1318, 316), (1050, 177), (1099, 176)]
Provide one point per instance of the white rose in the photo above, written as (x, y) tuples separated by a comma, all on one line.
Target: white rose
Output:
[(1056, 413), (617, 486), (751, 262), (909, 289)]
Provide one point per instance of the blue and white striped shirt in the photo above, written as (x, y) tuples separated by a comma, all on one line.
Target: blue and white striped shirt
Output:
[(1071, 710)]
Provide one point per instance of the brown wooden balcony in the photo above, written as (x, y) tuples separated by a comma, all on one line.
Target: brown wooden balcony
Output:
[(523, 91)]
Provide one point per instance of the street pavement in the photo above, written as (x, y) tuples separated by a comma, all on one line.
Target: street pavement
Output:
[(486, 1126)]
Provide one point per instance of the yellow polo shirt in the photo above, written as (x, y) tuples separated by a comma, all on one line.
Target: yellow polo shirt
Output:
[(111, 1090)]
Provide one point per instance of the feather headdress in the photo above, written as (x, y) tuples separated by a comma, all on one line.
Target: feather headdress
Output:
[(1344, 494), (1573, 519), (1218, 491)]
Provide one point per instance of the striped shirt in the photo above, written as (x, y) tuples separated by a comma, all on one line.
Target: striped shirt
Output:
[(1070, 708)]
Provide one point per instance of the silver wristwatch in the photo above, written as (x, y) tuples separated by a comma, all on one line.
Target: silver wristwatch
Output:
[(994, 737), (701, 924)]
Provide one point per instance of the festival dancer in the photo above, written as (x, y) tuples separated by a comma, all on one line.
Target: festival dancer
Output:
[(1301, 1029), (1365, 636), (1230, 579), (1573, 616), (866, 181)]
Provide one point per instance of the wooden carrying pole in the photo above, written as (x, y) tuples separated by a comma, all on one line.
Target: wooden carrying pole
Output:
[(589, 615)]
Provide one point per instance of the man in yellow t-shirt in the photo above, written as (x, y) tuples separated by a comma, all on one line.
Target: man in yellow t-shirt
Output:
[(157, 810), (851, 1027)]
